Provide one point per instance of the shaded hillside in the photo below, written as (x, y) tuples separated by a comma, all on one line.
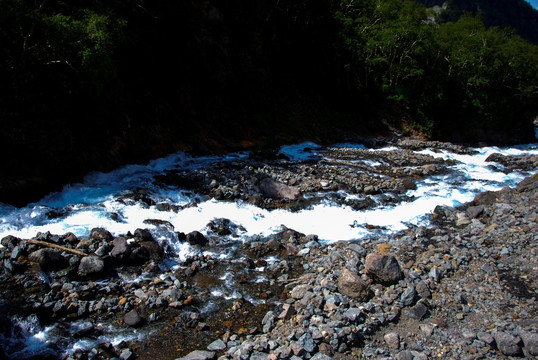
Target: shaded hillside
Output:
[(95, 84)]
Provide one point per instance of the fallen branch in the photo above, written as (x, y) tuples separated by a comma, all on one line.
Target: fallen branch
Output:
[(54, 246)]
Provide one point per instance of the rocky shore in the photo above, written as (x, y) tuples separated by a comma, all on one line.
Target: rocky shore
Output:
[(463, 288)]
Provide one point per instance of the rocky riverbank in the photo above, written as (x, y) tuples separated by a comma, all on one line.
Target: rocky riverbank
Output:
[(462, 288)]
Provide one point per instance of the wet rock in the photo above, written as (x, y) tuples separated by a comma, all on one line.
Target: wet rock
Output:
[(199, 355), (508, 344), (10, 242), (277, 190), (48, 259), (385, 269), (196, 238), (485, 198), (121, 249), (142, 235), (91, 265), (351, 284), (409, 184), (133, 319), (100, 234)]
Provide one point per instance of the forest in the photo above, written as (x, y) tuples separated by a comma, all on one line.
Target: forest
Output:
[(95, 84)]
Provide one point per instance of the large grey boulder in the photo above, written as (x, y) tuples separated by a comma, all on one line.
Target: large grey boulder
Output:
[(91, 265)]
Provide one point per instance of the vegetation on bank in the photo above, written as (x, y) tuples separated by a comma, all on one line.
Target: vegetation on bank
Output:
[(93, 84)]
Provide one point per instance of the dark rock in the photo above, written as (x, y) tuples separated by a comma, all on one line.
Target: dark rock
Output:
[(418, 311), (277, 190), (385, 269), (485, 198), (196, 238), (351, 284), (133, 319), (10, 242), (474, 211), (139, 255), (100, 234), (508, 344), (91, 266), (143, 235), (408, 296), (409, 184), (121, 249), (423, 290), (48, 259), (70, 238), (156, 252), (528, 184)]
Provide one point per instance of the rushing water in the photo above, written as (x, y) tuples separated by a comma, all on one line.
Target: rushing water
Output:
[(93, 203), (81, 207)]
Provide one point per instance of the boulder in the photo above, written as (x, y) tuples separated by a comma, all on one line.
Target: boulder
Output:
[(91, 266), (351, 284), (384, 269), (48, 259), (121, 249), (277, 190), (508, 344), (196, 238), (143, 235), (100, 234)]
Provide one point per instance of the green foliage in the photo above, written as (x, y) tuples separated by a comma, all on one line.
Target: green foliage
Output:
[(486, 78)]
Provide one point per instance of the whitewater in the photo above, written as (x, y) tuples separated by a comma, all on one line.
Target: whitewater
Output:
[(78, 208)]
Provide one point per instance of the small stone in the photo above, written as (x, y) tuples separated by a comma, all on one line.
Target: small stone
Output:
[(408, 296), (299, 291), (418, 311), (126, 355), (404, 355), (217, 345), (198, 355), (392, 340), (423, 290), (353, 314), (133, 319), (508, 344), (307, 342), (486, 337), (320, 356)]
